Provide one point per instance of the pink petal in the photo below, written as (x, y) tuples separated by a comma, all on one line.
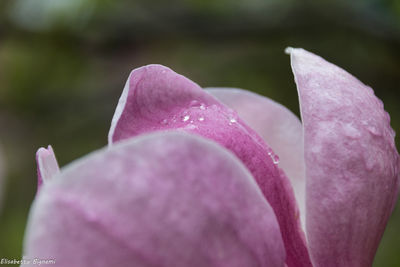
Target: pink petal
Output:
[(278, 126), (166, 199), (47, 166), (156, 98), (352, 165)]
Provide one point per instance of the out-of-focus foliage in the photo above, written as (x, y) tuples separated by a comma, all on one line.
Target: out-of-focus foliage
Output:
[(63, 65)]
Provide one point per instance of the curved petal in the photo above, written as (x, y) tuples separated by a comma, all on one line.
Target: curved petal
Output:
[(156, 98), (352, 164), (166, 199), (47, 166), (278, 126)]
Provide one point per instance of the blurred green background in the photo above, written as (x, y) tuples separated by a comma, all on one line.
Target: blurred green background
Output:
[(63, 64)]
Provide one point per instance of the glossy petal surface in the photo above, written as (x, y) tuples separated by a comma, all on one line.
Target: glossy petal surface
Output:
[(278, 126), (166, 199), (47, 165), (352, 165), (156, 98)]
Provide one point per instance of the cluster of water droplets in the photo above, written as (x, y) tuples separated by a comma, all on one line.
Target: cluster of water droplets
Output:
[(190, 115), (198, 112)]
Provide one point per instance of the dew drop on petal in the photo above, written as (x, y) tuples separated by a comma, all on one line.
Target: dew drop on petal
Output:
[(186, 118), (275, 159), (201, 119), (232, 121), (273, 156)]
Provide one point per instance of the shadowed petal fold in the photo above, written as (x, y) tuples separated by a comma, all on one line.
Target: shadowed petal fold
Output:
[(352, 165), (47, 165), (156, 98), (182, 201), (278, 126)]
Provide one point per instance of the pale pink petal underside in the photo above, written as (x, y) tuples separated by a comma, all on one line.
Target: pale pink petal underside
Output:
[(164, 199), (156, 98), (47, 166), (352, 164), (278, 126)]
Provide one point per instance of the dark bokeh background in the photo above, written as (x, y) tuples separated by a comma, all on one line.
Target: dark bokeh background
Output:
[(63, 64)]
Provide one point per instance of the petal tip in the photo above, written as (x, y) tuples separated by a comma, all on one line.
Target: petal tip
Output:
[(137, 75), (293, 50), (288, 50), (44, 152), (47, 165), (152, 68)]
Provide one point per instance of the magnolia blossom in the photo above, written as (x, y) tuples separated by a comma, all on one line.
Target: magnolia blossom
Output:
[(192, 177)]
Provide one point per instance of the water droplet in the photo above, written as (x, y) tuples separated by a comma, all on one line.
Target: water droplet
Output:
[(164, 121), (201, 119), (275, 159), (197, 104), (186, 118), (232, 121), (191, 121)]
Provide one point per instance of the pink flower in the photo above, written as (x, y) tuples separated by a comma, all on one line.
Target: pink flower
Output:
[(199, 186)]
